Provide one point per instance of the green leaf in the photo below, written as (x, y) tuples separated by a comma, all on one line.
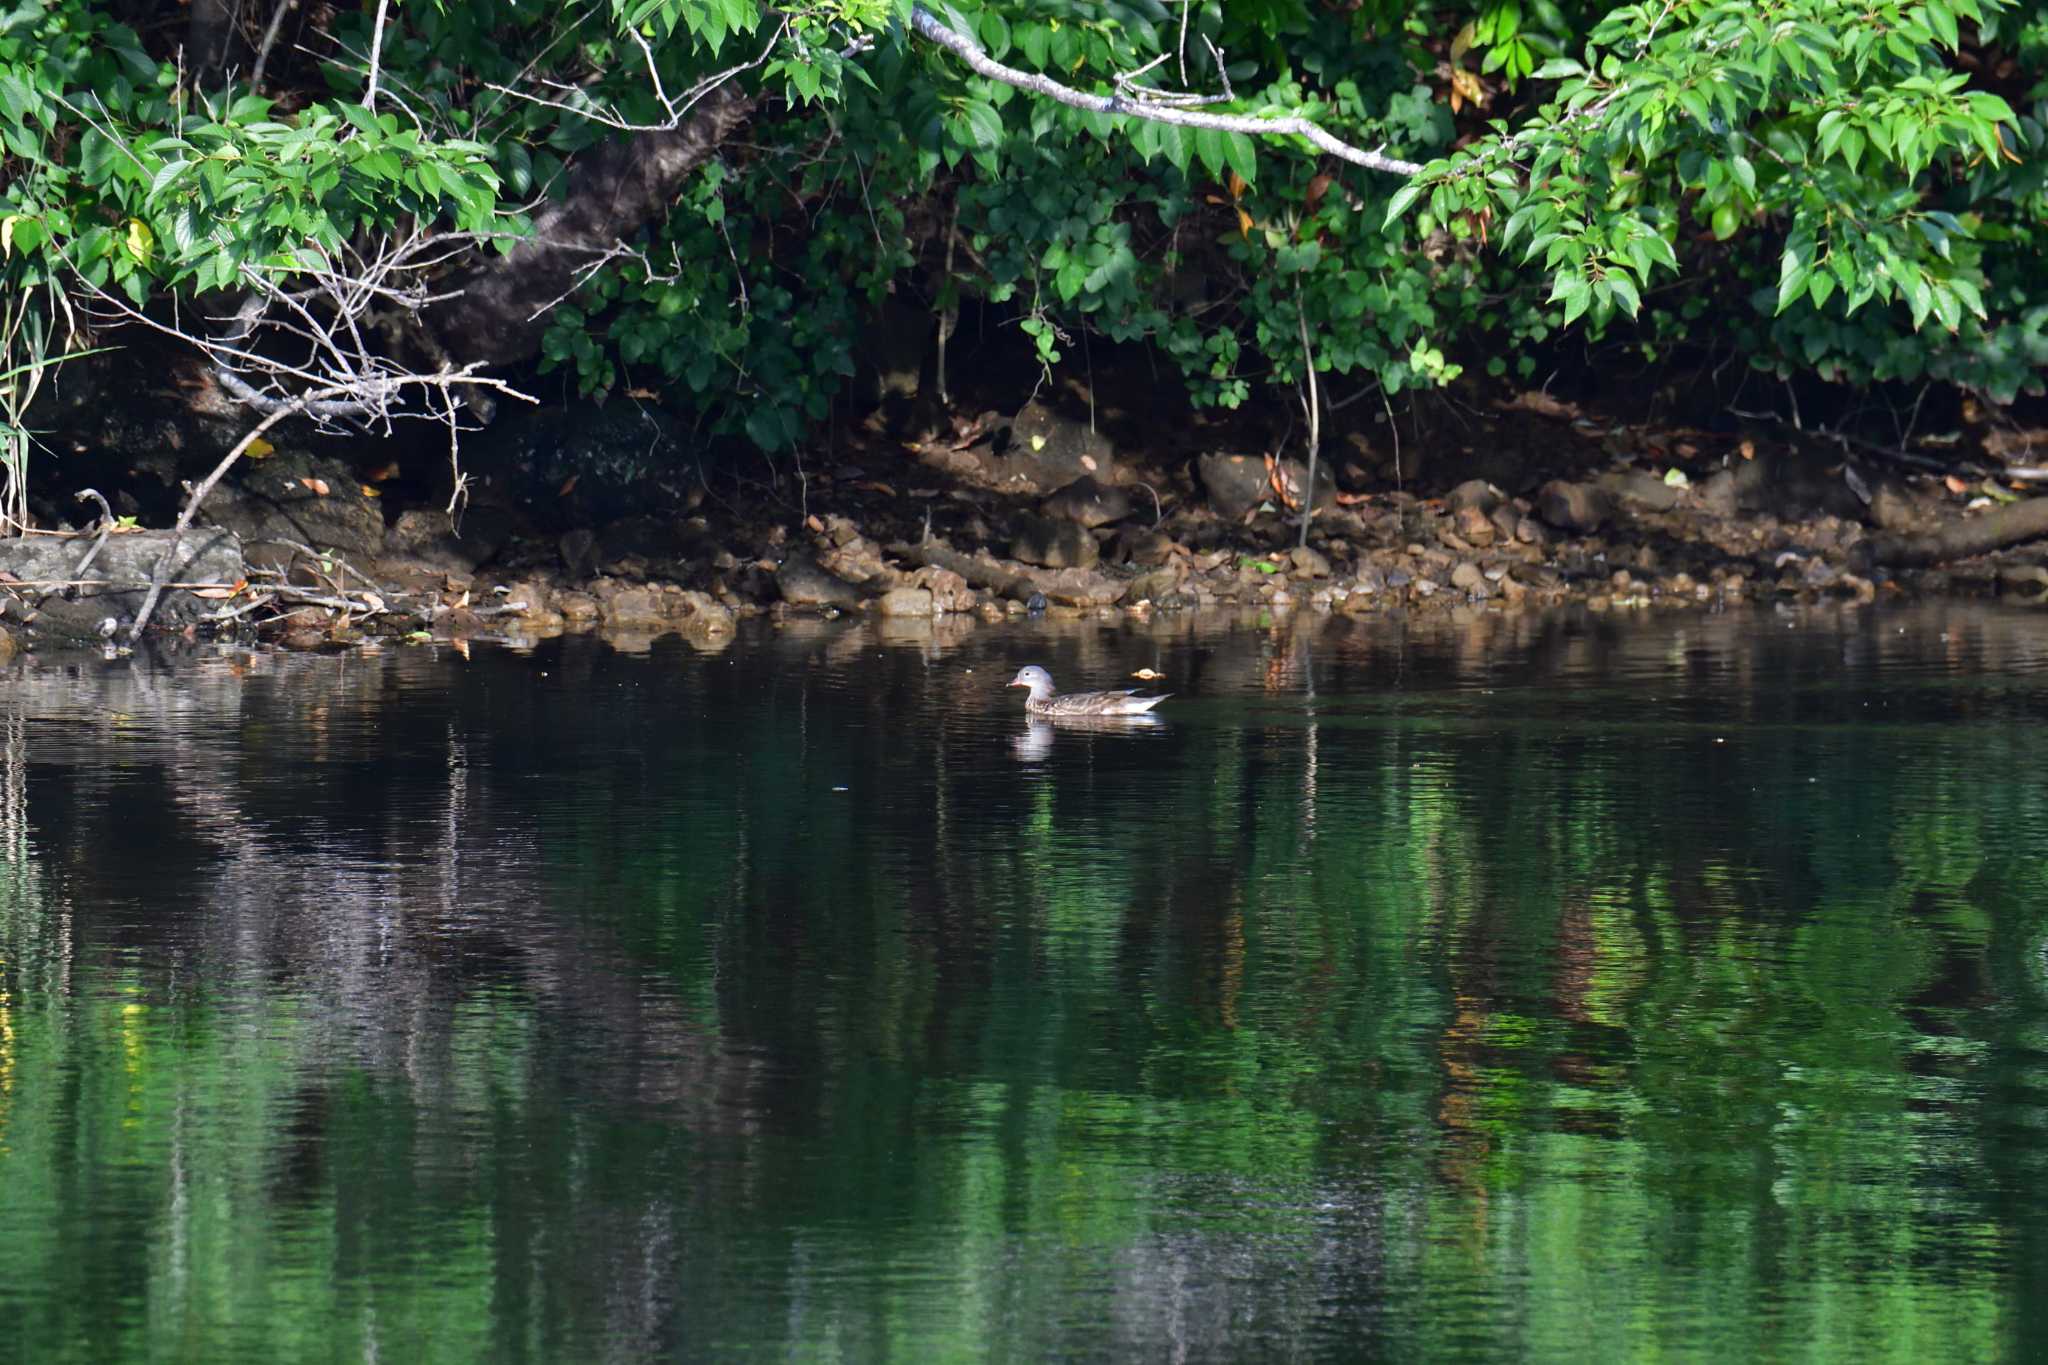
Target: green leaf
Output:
[(1403, 197), (1242, 156), (1624, 291)]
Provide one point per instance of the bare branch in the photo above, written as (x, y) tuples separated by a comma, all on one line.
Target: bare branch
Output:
[(269, 41), (929, 27), (376, 54), (675, 109)]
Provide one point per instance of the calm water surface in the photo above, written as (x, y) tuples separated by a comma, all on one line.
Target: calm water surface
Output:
[(1492, 989)]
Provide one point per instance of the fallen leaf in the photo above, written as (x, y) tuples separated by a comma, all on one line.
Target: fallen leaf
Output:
[(1088, 463), (1747, 450), (258, 448), (815, 524), (215, 594), (646, 394), (383, 473), (372, 603), (319, 486), (1148, 674), (370, 492), (568, 486), (1956, 485), (876, 486)]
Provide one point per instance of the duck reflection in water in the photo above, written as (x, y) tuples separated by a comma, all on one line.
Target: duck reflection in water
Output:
[(1035, 743)]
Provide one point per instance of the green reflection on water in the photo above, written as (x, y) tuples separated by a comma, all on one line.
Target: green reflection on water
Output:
[(560, 1008)]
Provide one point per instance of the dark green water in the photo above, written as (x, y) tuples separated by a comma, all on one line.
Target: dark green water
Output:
[(1557, 990)]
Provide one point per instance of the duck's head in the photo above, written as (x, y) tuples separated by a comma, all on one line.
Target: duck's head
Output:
[(1036, 679)]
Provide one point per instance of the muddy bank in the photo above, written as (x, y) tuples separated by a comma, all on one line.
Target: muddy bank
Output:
[(997, 517)]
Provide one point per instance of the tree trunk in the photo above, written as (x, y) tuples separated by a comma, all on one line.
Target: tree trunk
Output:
[(615, 190)]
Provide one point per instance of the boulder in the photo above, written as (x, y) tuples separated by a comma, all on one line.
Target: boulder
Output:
[(1238, 483), (1054, 544), (1641, 488), (1474, 493), (117, 580), (905, 602), (1573, 507), (1087, 502), (291, 498), (802, 583), (1079, 588), (1048, 451), (1309, 562)]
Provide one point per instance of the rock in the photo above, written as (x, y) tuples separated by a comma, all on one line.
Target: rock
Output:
[(950, 592), (1079, 588), (1475, 494), (1716, 493), (1467, 577), (1054, 544), (1474, 527), (1238, 483), (579, 551), (631, 608), (905, 602), (120, 576), (1571, 506), (1048, 451), (1148, 548), (1088, 503), (1235, 483), (8, 647), (534, 604), (428, 535), (1309, 562), (802, 583), (1892, 510), (1529, 531), (702, 618), (602, 460), (858, 560), (578, 608), (1156, 586), (292, 498), (1643, 489)]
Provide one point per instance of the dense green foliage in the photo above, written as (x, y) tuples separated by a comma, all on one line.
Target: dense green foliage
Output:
[(1848, 189)]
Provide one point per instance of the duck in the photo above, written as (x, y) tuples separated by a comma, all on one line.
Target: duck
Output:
[(1045, 699)]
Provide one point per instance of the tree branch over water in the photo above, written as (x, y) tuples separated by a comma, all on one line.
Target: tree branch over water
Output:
[(933, 29)]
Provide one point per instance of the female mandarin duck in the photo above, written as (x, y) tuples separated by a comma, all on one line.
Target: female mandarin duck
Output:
[(1045, 700)]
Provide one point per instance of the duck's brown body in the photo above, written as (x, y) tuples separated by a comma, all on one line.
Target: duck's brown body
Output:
[(1045, 700)]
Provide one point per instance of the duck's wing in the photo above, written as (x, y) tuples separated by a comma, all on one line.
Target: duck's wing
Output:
[(1123, 702)]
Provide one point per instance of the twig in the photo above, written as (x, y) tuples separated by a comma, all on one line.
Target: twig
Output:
[(106, 529), (270, 41)]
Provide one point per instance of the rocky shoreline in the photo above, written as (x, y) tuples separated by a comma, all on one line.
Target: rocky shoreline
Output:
[(298, 550)]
